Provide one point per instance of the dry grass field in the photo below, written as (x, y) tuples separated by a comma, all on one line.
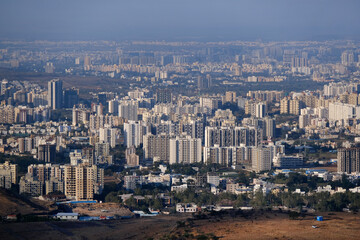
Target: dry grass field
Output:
[(257, 226), (279, 226)]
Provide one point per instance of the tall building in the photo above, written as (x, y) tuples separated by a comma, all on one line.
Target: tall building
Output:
[(84, 183), (340, 111), (270, 127), (46, 153), (30, 186), (134, 132), (102, 153), (295, 106), (336, 89), (163, 96), (220, 155), (230, 96), (347, 58), (132, 159), (156, 147), (185, 150), (80, 116), (291, 106), (232, 136), (7, 114), (81, 182), (5, 179), (348, 160), (4, 86), (194, 128), (49, 67), (44, 172), (71, 97), (88, 155), (10, 170), (25, 144), (260, 110), (114, 107), (54, 185), (210, 102), (203, 82), (87, 62), (261, 159), (55, 94), (284, 106), (108, 135), (128, 110)]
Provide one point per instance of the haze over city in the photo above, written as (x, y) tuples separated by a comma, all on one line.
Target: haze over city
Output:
[(204, 20)]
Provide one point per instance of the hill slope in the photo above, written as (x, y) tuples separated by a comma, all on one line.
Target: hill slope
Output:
[(11, 203)]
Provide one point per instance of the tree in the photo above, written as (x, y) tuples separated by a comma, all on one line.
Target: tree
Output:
[(241, 200), (157, 204), (113, 197), (131, 202), (292, 200), (258, 200), (339, 201), (243, 178)]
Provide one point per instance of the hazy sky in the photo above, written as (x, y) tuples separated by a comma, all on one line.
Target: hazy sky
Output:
[(179, 19)]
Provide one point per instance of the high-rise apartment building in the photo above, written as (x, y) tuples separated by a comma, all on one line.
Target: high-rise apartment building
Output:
[(87, 62), (55, 94), (163, 96), (128, 110), (261, 159), (291, 106), (185, 150), (348, 160), (134, 132), (10, 171), (80, 116), (132, 159), (81, 182), (230, 96), (4, 86), (71, 97), (270, 127), (156, 147), (232, 136), (347, 58), (7, 114), (260, 110), (46, 153), (108, 135)]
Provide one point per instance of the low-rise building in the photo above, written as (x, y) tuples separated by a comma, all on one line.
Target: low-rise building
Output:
[(67, 216), (283, 161), (186, 207)]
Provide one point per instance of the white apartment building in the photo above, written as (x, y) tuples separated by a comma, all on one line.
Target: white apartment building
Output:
[(185, 150)]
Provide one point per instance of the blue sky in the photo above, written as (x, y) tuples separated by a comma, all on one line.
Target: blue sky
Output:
[(179, 20)]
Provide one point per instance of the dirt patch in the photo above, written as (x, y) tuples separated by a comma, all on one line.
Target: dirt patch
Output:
[(279, 226), (263, 225)]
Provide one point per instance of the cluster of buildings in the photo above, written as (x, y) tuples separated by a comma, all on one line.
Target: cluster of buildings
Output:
[(153, 122), (76, 182)]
